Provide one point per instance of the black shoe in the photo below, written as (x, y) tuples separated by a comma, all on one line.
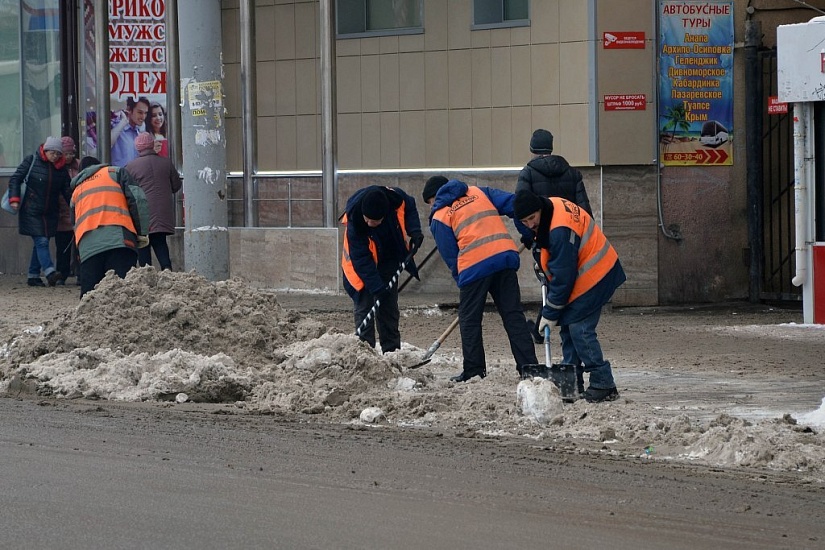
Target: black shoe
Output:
[(463, 376), (531, 328), (597, 395), (35, 281), (53, 277)]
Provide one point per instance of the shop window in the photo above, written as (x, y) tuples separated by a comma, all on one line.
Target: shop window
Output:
[(360, 18), (491, 14)]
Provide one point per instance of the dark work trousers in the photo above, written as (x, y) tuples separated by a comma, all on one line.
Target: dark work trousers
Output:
[(157, 242), (503, 287), (121, 260), (386, 315), (64, 250)]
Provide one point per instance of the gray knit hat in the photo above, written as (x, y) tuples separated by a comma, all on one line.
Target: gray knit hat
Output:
[(53, 144), (541, 142)]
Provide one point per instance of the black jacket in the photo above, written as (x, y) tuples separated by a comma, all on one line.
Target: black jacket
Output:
[(552, 176), (38, 215)]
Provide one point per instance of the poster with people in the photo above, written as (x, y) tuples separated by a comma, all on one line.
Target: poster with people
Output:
[(137, 78)]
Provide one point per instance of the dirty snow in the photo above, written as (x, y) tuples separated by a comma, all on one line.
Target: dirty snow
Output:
[(164, 336)]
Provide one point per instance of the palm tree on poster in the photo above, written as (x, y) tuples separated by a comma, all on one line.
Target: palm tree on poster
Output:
[(676, 120)]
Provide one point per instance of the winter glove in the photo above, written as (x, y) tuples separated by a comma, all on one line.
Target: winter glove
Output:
[(142, 241), (527, 242), (546, 323), (416, 240)]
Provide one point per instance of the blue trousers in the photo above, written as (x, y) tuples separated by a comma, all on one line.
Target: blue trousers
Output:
[(580, 346), (41, 258)]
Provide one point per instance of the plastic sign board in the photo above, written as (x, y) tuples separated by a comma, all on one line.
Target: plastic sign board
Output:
[(626, 102), (776, 107), (623, 40), (800, 60)]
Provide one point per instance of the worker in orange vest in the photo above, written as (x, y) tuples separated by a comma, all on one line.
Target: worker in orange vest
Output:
[(474, 243), (583, 272)]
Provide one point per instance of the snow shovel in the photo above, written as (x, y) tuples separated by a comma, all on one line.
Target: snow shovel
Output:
[(562, 375), (392, 282), (435, 345)]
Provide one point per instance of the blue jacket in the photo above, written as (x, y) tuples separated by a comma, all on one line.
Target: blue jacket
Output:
[(446, 240), (388, 237)]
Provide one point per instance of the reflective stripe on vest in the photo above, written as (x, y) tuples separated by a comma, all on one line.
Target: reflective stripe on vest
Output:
[(477, 227), (596, 255), (99, 201), (346, 261)]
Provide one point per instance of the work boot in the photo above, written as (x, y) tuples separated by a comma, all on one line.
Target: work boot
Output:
[(35, 281), (53, 277), (464, 375), (599, 395)]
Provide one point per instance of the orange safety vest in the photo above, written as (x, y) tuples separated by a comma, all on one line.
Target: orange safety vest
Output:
[(99, 201), (346, 262), (596, 255), (477, 227)]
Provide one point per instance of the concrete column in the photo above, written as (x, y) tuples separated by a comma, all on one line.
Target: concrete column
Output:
[(203, 137)]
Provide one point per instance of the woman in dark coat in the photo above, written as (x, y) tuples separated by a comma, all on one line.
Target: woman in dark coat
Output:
[(159, 179), (39, 209)]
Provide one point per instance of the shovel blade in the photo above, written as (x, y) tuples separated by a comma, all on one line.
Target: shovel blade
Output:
[(562, 375)]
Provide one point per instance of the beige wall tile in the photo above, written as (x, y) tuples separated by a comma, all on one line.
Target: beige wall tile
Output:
[(520, 71), (574, 129), (264, 33), (544, 21), (388, 44), (437, 139), (573, 63), (232, 87), (388, 78), (501, 153), (285, 32), (626, 71), (411, 43), (231, 42), (573, 20), (461, 137), (459, 17), (390, 150), (627, 137), (370, 46), (435, 26), (545, 82), (307, 87), (436, 67), (371, 140), (308, 150), (413, 128), (350, 136), (501, 85), (460, 75), (520, 36), (370, 84), (234, 152), (349, 87), (626, 15), (482, 136), (522, 129), (286, 157), (267, 134), (306, 30), (481, 78), (285, 87), (345, 47), (266, 85), (498, 37), (412, 81)]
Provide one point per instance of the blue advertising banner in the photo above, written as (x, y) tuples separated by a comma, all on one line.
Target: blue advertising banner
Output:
[(696, 83)]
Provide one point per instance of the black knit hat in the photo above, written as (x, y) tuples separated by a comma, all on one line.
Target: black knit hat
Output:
[(525, 203), (541, 142), (374, 204), (432, 186)]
